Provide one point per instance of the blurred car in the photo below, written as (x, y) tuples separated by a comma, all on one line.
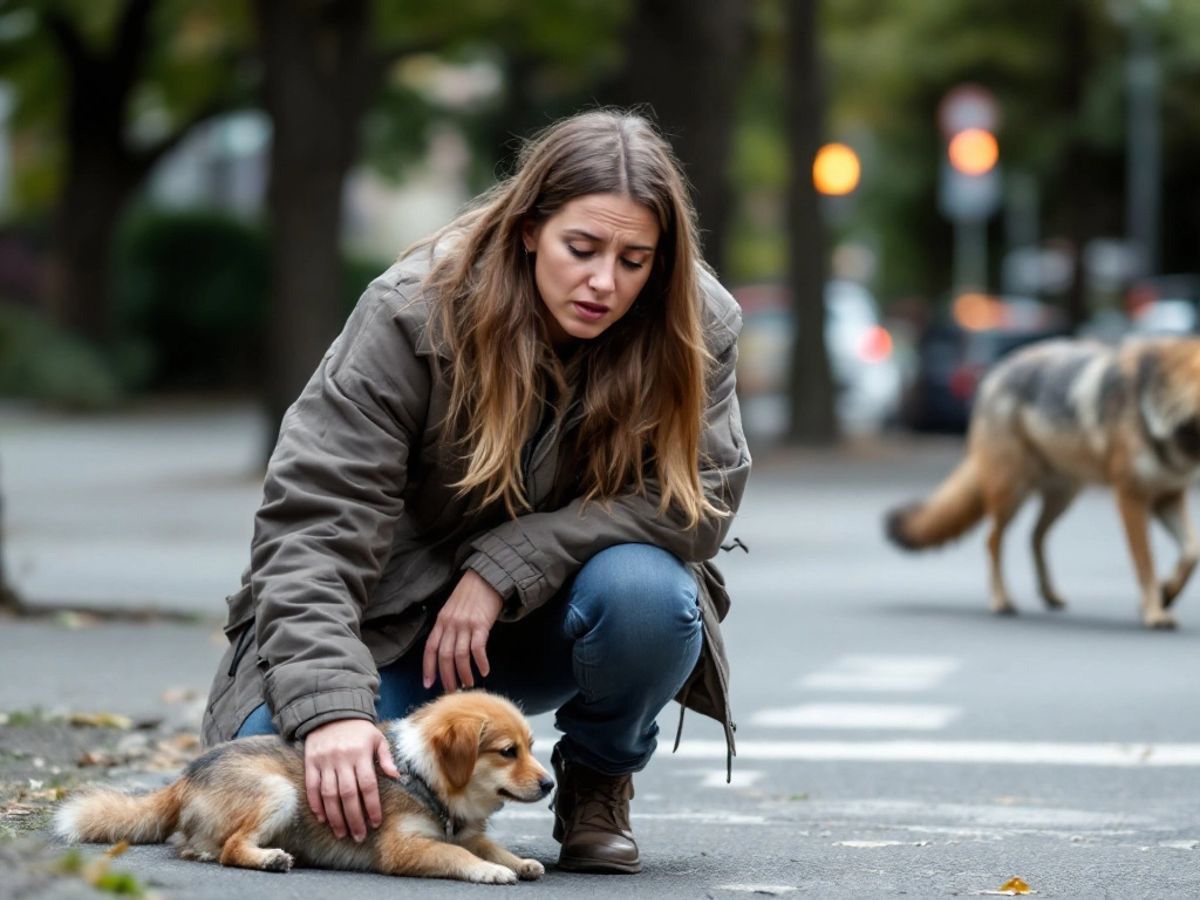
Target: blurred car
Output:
[(960, 346), (1164, 304), (861, 350)]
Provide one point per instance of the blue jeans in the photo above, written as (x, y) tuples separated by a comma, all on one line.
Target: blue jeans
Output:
[(607, 653)]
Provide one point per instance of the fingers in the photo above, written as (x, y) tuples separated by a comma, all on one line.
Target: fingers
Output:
[(384, 754), (352, 808), (430, 660), (462, 658), (368, 787), (331, 802), (312, 785), (479, 651), (446, 666)]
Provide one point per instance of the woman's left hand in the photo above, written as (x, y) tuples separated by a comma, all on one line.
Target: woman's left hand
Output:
[(461, 632)]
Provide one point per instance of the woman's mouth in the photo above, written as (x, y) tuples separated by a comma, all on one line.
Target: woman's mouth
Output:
[(589, 311)]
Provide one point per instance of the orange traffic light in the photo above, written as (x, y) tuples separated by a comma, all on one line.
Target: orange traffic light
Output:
[(836, 170), (974, 151)]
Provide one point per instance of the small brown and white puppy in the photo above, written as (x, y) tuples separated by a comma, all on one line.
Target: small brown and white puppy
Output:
[(243, 802)]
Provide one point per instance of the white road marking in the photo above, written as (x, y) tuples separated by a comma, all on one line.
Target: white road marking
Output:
[(872, 845), (875, 672), (742, 778), (771, 890), (857, 715), (1131, 755)]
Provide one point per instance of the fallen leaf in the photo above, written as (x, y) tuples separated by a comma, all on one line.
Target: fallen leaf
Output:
[(1014, 887), (101, 720), (179, 695), (116, 849)]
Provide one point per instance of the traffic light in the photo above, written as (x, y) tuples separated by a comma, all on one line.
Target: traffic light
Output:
[(973, 151), (836, 170)]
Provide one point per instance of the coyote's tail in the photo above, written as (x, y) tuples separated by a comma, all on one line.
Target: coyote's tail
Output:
[(953, 509), (107, 816)]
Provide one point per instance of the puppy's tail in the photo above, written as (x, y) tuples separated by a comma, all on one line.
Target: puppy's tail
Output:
[(106, 816), (953, 509)]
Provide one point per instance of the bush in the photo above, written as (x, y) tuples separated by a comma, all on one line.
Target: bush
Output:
[(39, 362), (191, 299)]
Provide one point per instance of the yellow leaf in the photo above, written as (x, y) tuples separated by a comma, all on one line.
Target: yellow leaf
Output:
[(1015, 886), (116, 849), (101, 720)]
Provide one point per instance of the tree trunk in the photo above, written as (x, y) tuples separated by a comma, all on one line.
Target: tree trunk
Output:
[(812, 419), (9, 601), (685, 59), (102, 171), (318, 79)]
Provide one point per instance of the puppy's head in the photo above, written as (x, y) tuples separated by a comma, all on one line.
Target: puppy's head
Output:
[(483, 749)]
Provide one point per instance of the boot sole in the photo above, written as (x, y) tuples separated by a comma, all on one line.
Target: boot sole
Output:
[(568, 864)]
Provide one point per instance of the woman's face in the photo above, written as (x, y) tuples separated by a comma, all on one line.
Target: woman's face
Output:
[(592, 259)]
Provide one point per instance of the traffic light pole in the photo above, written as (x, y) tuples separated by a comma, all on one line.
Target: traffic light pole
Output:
[(970, 255)]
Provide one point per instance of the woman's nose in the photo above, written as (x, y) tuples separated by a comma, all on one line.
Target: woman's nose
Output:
[(603, 279)]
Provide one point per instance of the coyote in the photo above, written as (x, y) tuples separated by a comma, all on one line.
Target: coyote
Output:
[(1056, 416)]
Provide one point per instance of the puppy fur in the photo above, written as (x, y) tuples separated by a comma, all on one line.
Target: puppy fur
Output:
[(244, 803), (1056, 416)]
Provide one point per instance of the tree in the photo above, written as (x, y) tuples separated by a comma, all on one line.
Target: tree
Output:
[(684, 60), (812, 414), (116, 63)]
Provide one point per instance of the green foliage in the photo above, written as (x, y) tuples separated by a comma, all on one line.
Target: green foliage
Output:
[(190, 298), (191, 291), (40, 362)]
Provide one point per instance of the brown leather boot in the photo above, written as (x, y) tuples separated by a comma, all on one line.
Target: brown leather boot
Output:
[(591, 819)]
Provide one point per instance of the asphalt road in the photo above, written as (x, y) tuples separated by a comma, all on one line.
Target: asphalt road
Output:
[(894, 737)]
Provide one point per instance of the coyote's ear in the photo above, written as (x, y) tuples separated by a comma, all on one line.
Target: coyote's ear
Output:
[(455, 743)]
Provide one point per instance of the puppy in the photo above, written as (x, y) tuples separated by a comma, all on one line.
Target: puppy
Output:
[(243, 802), (1061, 414)]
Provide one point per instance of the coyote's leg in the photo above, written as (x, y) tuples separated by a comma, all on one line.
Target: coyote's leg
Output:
[(1055, 501), (1171, 511), (1002, 505), (1135, 516)]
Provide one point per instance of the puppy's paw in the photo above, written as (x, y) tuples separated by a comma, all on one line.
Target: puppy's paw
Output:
[(490, 873), (530, 870), (276, 861)]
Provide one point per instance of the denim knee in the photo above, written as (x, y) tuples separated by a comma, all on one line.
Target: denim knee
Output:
[(634, 597)]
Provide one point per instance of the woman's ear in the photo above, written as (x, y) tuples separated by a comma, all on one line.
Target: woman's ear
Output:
[(530, 231)]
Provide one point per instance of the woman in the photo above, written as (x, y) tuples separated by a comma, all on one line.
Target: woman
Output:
[(508, 471)]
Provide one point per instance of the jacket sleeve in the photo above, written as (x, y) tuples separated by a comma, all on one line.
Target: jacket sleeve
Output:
[(528, 559), (332, 494)]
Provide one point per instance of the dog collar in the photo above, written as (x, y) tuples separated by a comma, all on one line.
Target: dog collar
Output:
[(419, 789)]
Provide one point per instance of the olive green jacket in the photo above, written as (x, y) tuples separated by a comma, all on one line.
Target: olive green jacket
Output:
[(359, 539)]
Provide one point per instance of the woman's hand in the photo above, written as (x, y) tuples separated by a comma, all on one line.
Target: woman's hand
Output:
[(339, 774), (461, 633)]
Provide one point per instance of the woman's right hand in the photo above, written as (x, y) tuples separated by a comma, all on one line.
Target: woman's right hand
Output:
[(339, 774)]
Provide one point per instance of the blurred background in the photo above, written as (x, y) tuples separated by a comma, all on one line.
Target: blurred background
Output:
[(193, 194)]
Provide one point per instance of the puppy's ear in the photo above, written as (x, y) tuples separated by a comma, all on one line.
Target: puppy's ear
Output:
[(456, 744)]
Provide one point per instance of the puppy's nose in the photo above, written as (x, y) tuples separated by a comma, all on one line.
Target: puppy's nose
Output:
[(546, 785)]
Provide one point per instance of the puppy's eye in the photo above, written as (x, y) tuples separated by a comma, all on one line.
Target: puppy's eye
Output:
[(509, 752)]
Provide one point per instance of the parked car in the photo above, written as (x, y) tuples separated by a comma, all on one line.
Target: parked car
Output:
[(961, 345), (1164, 304), (861, 350)]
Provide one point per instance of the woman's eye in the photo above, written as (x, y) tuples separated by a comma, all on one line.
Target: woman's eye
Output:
[(509, 752), (579, 254), (631, 265)]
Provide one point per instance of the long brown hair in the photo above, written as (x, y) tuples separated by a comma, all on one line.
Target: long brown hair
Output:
[(640, 384)]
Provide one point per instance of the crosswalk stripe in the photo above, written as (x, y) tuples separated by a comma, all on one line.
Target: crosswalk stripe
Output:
[(879, 672), (1131, 755), (857, 715)]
